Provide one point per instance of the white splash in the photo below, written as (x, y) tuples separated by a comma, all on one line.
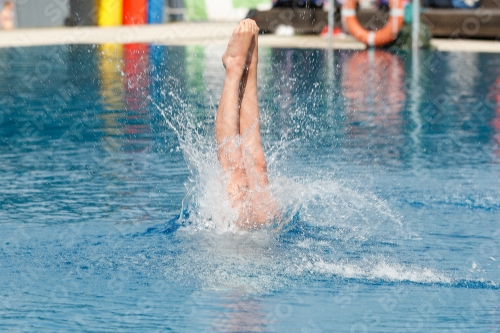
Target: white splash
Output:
[(377, 271), (342, 216)]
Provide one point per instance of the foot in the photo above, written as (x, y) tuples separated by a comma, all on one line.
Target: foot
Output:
[(255, 52), (240, 48)]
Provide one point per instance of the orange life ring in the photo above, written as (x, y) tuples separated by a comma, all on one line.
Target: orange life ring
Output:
[(387, 34)]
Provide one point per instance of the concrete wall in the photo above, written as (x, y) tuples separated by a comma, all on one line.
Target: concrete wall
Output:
[(40, 13)]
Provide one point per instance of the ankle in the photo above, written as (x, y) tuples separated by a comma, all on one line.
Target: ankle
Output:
[(233, 76), (234, 64), (235, 71)]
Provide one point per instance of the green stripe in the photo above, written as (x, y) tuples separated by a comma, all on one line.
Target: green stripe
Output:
[(195, 67), (249, 3), (195, 10)]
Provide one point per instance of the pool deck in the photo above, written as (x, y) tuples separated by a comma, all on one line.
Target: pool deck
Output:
[(200, 33)]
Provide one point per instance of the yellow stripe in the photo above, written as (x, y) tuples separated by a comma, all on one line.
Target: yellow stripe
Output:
[(110, 13)]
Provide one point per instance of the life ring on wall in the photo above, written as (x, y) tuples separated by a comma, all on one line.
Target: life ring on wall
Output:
[(387, 34)]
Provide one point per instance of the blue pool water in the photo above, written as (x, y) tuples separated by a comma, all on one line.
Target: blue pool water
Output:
[(112, 216)]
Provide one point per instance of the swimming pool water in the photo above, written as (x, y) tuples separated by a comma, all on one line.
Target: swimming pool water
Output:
[(386, 167)]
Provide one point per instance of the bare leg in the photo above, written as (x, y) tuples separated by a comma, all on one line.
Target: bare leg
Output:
[(227, 125), (237, 130), (261, 207), (251, 147)]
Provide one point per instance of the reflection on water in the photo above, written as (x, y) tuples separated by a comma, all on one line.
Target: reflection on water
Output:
[(284, 84), (495, 92), (137, 71), (124, 72), (293, 86), (240, 313), (157, 72), (112, 90), (373, 87)]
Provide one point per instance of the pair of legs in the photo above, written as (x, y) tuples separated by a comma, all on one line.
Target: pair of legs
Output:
[(237, 129)]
